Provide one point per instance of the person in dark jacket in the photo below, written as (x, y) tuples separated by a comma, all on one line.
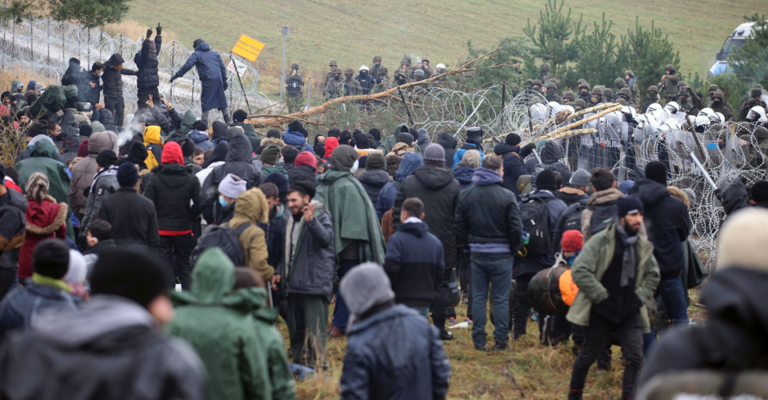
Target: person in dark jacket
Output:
[(733, 339), (13, 205), (174, 190), (213, 77), (465, 169), (668, 225), (488, 222), (474, 142), (304, 168), (449, 143), (113, 87), (575, 190), (415, 259), (147, 78), (386, 200), (375, 176), (435, 186), (116, 336), (239, 163), (528, 266), (219, 134), (104, 184), (551, 154), (513, 156), (392, 352), (22, 307), (132, 216), (274, 229), (307, 274)]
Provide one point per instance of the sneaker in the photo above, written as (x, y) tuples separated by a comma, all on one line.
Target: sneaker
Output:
[(468, 321), (452, 320), (445, 335), (335, 332)]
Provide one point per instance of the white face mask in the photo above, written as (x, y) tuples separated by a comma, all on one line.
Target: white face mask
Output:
[(354, 167)]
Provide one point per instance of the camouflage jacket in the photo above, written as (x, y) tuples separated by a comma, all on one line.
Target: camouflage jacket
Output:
[(333, 88), (294, 84), (670, 84), (724, 108), (352, 87)]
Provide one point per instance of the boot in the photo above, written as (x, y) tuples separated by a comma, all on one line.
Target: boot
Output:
[(574, 394), (445, 335), (500, 346)]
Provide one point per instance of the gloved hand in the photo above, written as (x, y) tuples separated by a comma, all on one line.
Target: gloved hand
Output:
[(718, 193), (173, 78), (159, 29), (226, 86), (149, 33)]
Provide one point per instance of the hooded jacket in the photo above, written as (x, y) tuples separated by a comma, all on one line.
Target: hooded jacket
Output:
[(551, 154), (302, 173), (200, 139), (147, 78), (570, 195), (132, 216), (556, 207), (113, 78), (104, 185), (386, 200), (298, 140), (212, 74), (13, 205), (600, 198), (439, 192), (171, 188), (154, 144), (373, 181), (238, 162), (24, 306), (82, 174), (415, 263), (460, 153), (449, 143), (219, 132), (330, 144), (215, 320), (113, 338), (107, 118), (667, 223), (514, 167), (251, 206), (44, 220)]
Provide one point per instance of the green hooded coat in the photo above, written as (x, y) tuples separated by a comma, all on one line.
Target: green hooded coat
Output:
[(187, 121), (50, 102), (244, 355)]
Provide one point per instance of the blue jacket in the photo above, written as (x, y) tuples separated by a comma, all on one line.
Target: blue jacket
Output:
[(394, 354), (514, 166), (414, 263), (213, 76), (298, 140), (410, 163), (200, 139), (556, 208), (23, 305), (464, 176), (460, 153)]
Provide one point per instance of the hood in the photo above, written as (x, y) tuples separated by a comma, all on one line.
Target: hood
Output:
[(92, 321), (152, 135), (239, 149), (605, 196), (551, 153), (423, 137), (410, 163), (376, 178), (115, 60), (485, 177), (219, 129), (188, 120), (172, 154), (108, 120), (198, 137), (14, 85), (433, 178), (463, 175), (414, 228), (504, 148), (343, 158), (295, 139), (649, 192), (219, 154), (213, 277), (330, 144), (203, 47), (18, 200), (447, 140), (737, 295), (733, 198), (252, 205), (101, 141), (471, 159), (44, 148)]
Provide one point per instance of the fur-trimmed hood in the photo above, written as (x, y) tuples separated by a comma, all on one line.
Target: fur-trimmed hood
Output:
[(45, 218), (266, 142)]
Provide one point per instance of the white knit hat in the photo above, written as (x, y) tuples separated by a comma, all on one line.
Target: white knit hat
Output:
[(231, 186), (742, 239)]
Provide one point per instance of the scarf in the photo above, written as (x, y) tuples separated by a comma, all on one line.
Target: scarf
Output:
[(48, 281), (629, 261)]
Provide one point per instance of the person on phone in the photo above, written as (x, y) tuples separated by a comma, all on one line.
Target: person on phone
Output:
[(293, 88)]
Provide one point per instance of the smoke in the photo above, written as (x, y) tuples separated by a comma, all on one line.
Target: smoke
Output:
[(127, 133)]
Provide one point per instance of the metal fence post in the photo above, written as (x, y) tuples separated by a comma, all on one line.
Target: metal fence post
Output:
[(309, 90)]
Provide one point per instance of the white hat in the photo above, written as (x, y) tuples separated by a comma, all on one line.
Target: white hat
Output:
[(363, 67), (441, 65)]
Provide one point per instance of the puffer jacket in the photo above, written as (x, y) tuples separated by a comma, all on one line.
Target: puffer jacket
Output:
[(171, 188), (147, 78), (298, 140), (239, 163), (373, 181), (312, 265), (104, 185), (200, 139), (514, 166), (449, 143), (394, 354), (154, 144), (113, 77), (22, 307), (251, 206), (82, 174)]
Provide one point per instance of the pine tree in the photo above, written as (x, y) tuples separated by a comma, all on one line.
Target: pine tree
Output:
[(90, 13), (598, 61), (555, 41), (647, 52)]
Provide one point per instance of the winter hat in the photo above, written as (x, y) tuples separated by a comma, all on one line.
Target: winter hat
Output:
[(172, 154), (742, 241), (37, 186), (289, 154), (39, 86), (375, 133), (306, 158), (572, 240), (580, 178), (393, 163), (434, 154), (364, 287), (304, 186), (231, 186), (629, 205), (278, 179), (128, 273), (405, 137), (200, 126), (656, 171), (296, 126), (626, 186), (187, 147), (97, 126), (77, 268), (546, 180), (239, 116), (475, 135), (343, 158), (196, 43), (51, 258), (86, 130), (375, 162), (106, 158), (271, 154), (361, 141), (82, 149), (513, 139), (127, 175)]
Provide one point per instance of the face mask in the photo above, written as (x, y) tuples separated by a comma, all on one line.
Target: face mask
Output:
[(716, 103), (354, 167), (364, 74), (101, 73), (222, 201)]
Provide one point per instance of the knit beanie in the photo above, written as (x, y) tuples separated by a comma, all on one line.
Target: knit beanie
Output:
[(77, 268), (375, 162), (572, 240), (656, 171), (51, 258), (304, 186), (271, 154), (200, 126), (296, 126), (106, 159), (580, 178), (434, 155), (626, 186), (128, 273), (513, 139), (742, 241), (546, 180), (239, 116), (361, 141), (187, 147), (375, 133), (82, 149), (231, 186), (629, 205), (364, 287), (97, 126), (306, 158), (278, 179), (127, 175), (86, 130)]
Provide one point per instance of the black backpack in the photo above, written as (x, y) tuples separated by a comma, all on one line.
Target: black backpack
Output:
[(573, 222), (602, 216), (535, 216), (223, 237)]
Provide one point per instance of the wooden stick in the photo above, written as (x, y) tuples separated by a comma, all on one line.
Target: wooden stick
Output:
[(582, 122)]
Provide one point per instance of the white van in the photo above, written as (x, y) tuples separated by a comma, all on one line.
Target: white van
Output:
[(735, 41)]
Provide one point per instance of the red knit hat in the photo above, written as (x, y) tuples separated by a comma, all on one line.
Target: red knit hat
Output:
[(82, 149), (306, 158), (573, 240)]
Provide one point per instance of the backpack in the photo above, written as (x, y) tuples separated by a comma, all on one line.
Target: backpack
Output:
[(223, 237), (602, 216), (573, 221), (535, 215)]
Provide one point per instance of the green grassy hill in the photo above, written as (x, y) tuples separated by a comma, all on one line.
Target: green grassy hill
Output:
[(352, 32)]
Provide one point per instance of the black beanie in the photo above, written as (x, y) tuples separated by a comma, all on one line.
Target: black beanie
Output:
[(239, 116), (759, 191), (406, 138), (375, 133), (296, 126), (127, 175), (86, 130), (546, 180), (656, 171), (51, 258), (304, 186), (361, 141), (128, 273), (200, 125), (513, 139), (187, 147), (106, 158)]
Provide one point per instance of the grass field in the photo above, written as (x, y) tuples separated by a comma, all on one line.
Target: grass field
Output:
[(352, 32)]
